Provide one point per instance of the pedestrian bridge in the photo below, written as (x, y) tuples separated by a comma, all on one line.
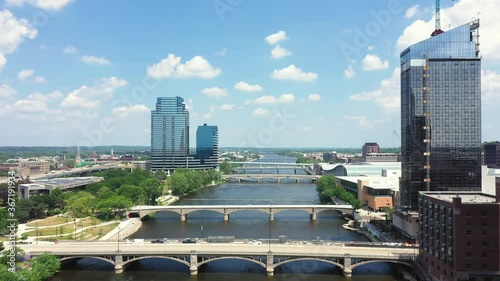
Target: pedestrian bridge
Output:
[(279, 177), (226, 210), (120, 255)]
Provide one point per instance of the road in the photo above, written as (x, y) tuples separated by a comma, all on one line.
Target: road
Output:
[(331, 250)]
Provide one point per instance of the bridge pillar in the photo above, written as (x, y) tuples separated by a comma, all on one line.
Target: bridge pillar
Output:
[(279, 179), (271, 216), (226, 217), (118, 264), (347, 271), (193, 263), (183, 217), (269, 264), (313, 216)]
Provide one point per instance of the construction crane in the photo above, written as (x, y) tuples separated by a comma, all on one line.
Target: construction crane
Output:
[(397, 135), (438, 29)]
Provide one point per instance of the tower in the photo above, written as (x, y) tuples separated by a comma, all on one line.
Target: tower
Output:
[(441, 114), (78, 157), (169, 134)]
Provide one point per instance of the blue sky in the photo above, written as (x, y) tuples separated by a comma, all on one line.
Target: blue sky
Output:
[(268, 73)]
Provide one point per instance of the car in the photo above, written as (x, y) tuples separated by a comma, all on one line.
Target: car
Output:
[(157, 241), (188, 240), (257, 242)]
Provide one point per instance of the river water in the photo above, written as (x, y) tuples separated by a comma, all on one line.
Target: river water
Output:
[(242, 224)]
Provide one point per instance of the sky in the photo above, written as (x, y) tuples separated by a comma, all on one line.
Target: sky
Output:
[(284, 73)]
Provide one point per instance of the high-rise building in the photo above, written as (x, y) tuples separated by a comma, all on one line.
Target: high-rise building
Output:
[(370, 147), (441, 114), (169, 134), (207, 142), (492, 154)]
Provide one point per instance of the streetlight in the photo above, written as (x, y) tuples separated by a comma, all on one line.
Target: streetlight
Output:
[(118, 240), (202, 230)]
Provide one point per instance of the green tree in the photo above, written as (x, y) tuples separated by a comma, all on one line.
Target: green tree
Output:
[(104, 192), (133, 192), (70, 163), (80, 204), (153, 189), (45, 266), (160, 175), (226, 168), (179, 183), (114, 205)]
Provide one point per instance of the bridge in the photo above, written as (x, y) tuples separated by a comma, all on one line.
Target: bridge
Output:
[(226, 210), (278, 177), (261, 166), (120, 255)]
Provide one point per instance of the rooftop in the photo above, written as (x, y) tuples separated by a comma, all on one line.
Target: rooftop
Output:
[(467, 197)]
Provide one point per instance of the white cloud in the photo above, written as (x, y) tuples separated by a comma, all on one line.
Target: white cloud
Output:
[(490, 88), (6, 92), (171, 67), (40, 80), (279, 52), (215, 92), (3, 62), (125, 111), (227, 107), (221, 53), (349, 72), (261, 112), (276, 37), (209, 114), (13, 32), (95, 60), (54, 5), (364, 122), (244, 86), (284, 98), (373, 62), (314, 97), (88, 97), (292, 72), (412, 11), (371, 48), (25, 74), (387, 96), (70, 50), (36, 102), (44, 47), (460, 13), (307, 129)]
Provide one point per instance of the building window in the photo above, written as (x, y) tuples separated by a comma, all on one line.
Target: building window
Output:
[(484, 232), (469, 266), (485, 266), (468, 213), (469, 243), (469, 223), (484, 213), (484, 223), (439, 268), (485, 255), (468, 232), (469, 254), (484, 243)]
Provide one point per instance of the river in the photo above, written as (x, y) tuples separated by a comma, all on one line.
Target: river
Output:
[(243, 224)]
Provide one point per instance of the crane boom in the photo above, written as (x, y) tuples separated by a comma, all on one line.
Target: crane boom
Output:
[(438, 19)]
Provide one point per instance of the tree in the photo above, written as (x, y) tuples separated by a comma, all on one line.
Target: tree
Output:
[(80, 204), (133, 192), (70, 163), (226, 168), (45, 266), (153, 189), (104, 192), (113, 205), (160, 175), (179, 183)]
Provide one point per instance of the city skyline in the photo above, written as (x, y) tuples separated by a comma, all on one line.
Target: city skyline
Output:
[(65, 80)]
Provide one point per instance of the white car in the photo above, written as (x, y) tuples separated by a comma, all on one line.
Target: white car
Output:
[(256, 242)]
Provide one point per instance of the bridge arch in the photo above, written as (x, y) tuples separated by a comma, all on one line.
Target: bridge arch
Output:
[(110, 261), (341, 266), (186, 263), (375, 261), (236, 258)]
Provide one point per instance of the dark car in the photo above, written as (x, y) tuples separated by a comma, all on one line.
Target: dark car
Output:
[(188, 240), (157, 241)]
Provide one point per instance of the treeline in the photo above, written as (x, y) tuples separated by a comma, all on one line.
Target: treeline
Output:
[(121, 189), (42, 268), (183, 181), (328, 187)]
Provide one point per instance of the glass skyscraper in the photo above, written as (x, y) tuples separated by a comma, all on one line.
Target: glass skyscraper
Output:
[(169, 134), (441, 114), (207, 142)]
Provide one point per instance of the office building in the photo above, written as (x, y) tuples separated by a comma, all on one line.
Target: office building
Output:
[(441, 114), (459, 235), (492, 154), (370, 147), (207, 142), (170, 139), (169, 134)]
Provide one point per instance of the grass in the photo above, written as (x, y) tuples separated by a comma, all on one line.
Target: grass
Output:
[(50, 221), (67, 230), (98, 230)]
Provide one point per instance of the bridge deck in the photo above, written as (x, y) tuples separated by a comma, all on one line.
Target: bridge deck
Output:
[(244, 207)]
